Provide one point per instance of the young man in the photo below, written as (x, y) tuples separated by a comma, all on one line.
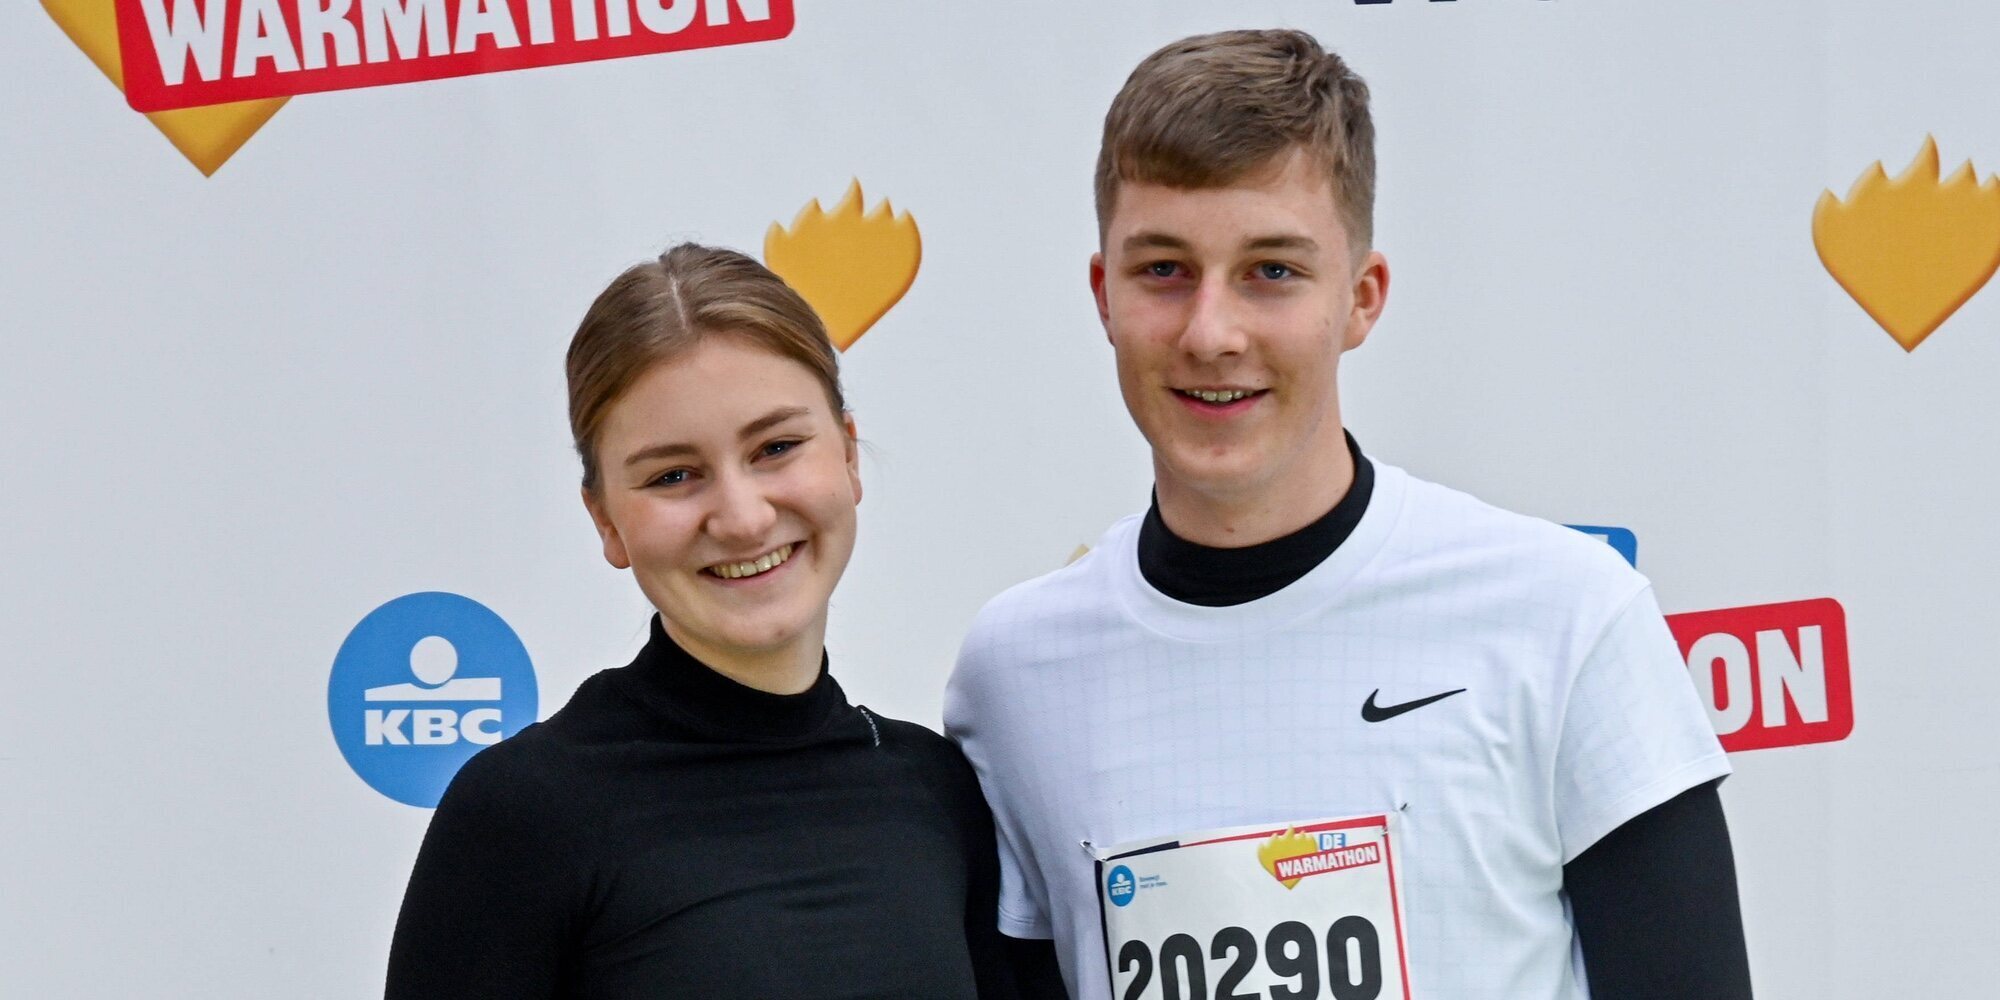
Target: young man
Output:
[(1309, 721)]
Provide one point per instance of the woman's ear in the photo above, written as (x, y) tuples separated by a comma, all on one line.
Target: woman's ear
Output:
[(853, 453), (614, 546)]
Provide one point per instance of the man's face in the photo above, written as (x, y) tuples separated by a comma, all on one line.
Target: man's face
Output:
[(1228, 309)]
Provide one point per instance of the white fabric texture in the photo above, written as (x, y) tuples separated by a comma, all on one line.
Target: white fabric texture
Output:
[(1097, 709)]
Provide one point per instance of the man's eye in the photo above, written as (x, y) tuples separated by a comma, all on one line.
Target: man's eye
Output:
[(1272, 271), (1163, 269)]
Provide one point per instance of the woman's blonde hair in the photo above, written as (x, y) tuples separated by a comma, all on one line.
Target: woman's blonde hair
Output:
[(660, 309)]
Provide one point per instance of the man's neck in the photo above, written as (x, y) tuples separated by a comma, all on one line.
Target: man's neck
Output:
[(1255, 513)]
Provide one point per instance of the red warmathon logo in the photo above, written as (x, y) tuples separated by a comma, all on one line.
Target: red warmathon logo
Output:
[(1770, 675), (191, 53)]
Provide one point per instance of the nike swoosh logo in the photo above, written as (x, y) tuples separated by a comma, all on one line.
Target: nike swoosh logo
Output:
[(1370, 712)]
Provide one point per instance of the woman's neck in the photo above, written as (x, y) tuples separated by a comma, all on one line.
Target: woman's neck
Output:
[(789, 668)]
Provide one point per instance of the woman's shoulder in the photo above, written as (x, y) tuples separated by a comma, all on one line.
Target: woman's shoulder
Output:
[(911, 737), (546, 773), (934, 755), (524, 775)]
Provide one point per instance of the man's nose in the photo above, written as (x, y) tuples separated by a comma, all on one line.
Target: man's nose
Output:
[(1214, 325)]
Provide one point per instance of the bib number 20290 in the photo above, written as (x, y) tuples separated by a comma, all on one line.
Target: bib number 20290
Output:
[(1293, 911), (1341, 962)]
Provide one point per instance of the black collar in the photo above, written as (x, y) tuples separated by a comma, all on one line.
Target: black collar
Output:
[(1218, 578), (668, 679)]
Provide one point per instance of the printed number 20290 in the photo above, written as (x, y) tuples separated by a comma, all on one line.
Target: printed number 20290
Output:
[(1291, 950)]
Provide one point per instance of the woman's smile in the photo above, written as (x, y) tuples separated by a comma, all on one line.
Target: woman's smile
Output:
[(760, 569)]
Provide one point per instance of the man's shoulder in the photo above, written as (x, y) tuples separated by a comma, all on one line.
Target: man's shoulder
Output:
[(1082, 587), (1040, 620), (1477, 542)]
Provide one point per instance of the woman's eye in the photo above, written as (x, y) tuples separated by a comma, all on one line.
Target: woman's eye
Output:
[(672, 477), (778, 448), (1271, 271)]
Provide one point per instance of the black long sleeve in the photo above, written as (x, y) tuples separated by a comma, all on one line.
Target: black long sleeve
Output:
[(1654, 902), (1037, 973), (1655, 906), (490, 904)]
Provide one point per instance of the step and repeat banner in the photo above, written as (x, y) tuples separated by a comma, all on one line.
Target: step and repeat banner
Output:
[(291, 516)]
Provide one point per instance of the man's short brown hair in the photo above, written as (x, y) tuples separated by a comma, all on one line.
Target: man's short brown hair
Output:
[(1209, 110)]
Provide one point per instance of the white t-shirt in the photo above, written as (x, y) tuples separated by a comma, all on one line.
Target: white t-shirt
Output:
[(1098, 710)]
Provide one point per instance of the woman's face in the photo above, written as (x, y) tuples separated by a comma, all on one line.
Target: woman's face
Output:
[(727, 485)]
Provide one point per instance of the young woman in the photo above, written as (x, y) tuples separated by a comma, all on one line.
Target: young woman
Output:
[(714, 820)]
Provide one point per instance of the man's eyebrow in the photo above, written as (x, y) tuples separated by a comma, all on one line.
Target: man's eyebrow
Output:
[(1150, 240), (1302, 243), (1154, 241), (751, 429)]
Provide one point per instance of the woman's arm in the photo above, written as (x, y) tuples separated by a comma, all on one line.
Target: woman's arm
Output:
[(1655, 905), (488, 910)]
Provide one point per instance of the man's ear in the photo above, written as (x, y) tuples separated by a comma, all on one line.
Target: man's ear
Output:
[(853, 454), (1371, 295), (1097, 292), (614, 546)]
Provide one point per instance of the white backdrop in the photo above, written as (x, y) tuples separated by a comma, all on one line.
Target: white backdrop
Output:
[(239, 412)]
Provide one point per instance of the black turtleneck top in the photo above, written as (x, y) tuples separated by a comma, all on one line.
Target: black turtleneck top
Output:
[(672, 833)]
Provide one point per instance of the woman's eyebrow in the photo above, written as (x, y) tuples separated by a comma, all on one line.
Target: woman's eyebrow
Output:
[(751, 429), (772, 419)]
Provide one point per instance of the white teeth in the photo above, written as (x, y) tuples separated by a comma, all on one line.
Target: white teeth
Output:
[(764, 564), (1213, 396)]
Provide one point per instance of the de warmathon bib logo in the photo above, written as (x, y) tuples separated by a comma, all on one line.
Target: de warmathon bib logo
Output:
[(423, 683)]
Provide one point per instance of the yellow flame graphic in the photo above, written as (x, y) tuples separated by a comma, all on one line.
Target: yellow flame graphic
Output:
[(1284, 847), (852, 267), (208, 136), (1914, 249)]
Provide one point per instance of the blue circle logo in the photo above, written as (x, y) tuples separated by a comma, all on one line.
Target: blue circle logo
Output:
[(1120, 886), (423, 683)]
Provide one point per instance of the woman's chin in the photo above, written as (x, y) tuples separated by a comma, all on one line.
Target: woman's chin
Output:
[(758, 636)]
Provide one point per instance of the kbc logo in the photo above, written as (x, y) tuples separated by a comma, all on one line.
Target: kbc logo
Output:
[(420, 685)]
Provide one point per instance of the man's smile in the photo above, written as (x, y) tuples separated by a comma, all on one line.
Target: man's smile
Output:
[(1219, 400)]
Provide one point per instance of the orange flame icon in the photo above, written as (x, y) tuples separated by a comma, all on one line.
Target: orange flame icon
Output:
[(852, 267), (1913, 249), (1284, 847), (207, 136)]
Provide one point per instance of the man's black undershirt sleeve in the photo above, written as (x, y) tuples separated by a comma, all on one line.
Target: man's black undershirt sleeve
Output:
[(1654, 902), (1036, 973), (1655, 905)]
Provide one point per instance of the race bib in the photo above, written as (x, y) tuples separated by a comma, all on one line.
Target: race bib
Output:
[(1308, 911)]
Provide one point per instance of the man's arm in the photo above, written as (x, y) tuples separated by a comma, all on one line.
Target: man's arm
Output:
[(1655, 905), (1035, 968)]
